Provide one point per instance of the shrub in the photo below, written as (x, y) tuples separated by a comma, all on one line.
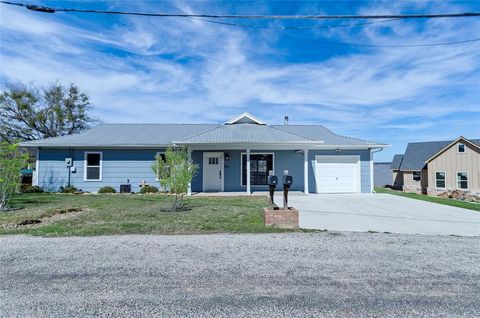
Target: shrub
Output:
[(68, 189), (107, 189), (148, 189), (31, 189)]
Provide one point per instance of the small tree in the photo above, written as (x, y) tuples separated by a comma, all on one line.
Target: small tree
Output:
[(12, 160), (175, 172)]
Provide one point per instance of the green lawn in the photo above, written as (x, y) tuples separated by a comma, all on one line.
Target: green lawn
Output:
[(132, 214), (457, 203)]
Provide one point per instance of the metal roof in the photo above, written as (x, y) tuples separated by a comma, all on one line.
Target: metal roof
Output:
[(418, 152), (125, 135), (151, 135), (245, 133), (318, 132), (396, 162)]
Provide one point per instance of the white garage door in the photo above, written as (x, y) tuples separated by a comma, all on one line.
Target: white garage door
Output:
[(337, 174)]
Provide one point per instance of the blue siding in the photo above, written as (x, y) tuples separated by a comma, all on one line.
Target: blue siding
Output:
[(118, 166), (135, 165), (283, 160)]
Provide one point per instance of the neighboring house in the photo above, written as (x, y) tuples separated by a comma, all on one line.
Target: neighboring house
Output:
[(382, 174), (235, 156), (437, 166), (397, 182)]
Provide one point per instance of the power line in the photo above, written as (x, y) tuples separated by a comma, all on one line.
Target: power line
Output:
[(400, 45), (250, 26), (229, 16), (207, 18)]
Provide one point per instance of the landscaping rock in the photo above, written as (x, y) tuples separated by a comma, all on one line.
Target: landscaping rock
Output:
[(460, 195)]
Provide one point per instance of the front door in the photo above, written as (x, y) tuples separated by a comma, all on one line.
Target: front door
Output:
[(213, 171)]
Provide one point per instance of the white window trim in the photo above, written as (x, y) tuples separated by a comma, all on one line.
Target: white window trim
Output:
[(85, 154), (158, 153), (420, 176), (254, 153), (464, 148), (456, 179), (444, 179)]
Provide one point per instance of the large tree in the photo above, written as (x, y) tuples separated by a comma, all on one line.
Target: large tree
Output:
[(30, 112)]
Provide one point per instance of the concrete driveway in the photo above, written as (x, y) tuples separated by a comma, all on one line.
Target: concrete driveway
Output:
[(383, 213)]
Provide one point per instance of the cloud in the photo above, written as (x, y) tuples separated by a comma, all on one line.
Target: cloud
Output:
[(174, 70)]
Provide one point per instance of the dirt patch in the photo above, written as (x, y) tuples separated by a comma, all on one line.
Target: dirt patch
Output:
[(49, 217)]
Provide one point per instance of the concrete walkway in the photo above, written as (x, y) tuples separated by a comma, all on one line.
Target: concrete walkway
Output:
[(383, 213)]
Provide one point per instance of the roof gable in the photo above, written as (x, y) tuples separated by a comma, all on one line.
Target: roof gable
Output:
[(417, 153), (453, 143), (245, 118)]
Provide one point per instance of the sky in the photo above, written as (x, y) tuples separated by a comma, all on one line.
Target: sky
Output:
[(181, 70)]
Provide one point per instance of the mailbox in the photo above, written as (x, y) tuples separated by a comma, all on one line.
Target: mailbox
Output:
[(272, 180), (287, 181)]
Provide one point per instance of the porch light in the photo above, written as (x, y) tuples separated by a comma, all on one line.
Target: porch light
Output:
[(227, 157)]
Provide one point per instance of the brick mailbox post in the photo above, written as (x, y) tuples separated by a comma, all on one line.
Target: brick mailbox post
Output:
[(287, 217)]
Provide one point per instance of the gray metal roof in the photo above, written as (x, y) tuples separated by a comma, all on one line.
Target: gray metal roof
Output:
[(150, 135), (396, 162), (128, 135), (245, 133), (318, 132), (418, 152)]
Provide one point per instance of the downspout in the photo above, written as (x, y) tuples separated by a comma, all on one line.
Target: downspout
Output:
[(372, 181)]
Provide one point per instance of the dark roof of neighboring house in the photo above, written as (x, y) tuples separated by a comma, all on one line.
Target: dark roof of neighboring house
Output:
[(418, 152), (396, 162)]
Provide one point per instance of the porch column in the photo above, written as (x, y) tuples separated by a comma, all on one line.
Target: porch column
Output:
[(189, 151), (305, 171), (248, 171)]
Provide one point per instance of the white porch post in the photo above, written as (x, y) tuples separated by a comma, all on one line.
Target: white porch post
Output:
[(371, 173), (248, 171), (189, 151), (305, 171)]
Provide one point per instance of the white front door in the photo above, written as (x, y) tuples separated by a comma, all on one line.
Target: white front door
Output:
[(337, 174), (213, 171)]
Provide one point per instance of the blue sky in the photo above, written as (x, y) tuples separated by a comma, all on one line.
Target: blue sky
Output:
[(139, 69)]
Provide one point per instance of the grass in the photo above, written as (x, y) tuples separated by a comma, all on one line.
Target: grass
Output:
[(423, 197), (108, 214)]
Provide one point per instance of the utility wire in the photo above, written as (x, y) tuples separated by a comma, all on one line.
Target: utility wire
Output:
[(207, 17), (228, 16), (400, 45), (290, 27)]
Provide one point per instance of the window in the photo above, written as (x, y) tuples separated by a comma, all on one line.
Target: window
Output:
[(213, 160), (93, 166), (440, 179), (462, 180), (260, 165), (461, 148), (417, 175)]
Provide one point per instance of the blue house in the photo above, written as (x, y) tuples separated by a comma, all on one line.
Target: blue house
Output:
[(235, 156)]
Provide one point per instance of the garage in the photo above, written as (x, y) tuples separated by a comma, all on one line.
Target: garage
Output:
[(337, 174)]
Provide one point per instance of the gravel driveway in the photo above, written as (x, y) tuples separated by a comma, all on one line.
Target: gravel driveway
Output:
[(268, 275)]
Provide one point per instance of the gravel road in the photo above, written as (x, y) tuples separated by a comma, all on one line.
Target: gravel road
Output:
[(264, 275)]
